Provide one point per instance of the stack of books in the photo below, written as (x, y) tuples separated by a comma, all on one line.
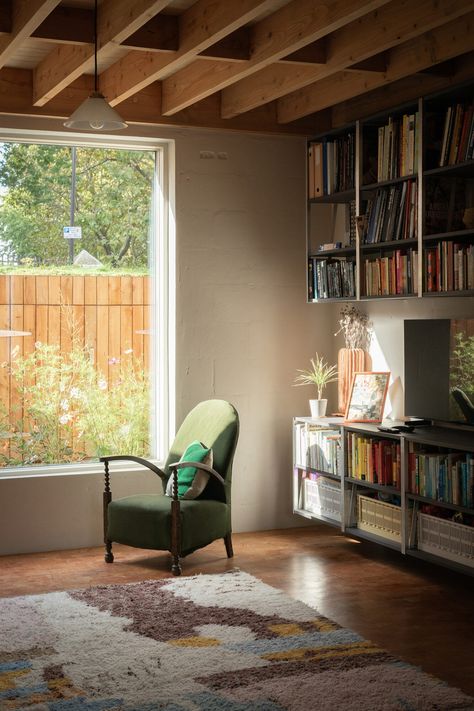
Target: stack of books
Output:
[(458, 135), (373, 460), (391, 214), (397, 147), (393, 274), (331, 166)]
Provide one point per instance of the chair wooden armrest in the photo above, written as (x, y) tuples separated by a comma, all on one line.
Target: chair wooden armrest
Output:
[(131, 458)]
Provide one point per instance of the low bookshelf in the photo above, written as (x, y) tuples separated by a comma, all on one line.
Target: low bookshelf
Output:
[(413, 492)]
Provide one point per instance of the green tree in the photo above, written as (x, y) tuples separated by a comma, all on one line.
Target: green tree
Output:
[(112, 202)]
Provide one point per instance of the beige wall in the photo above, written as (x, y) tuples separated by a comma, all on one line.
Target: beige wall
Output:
[(242, 330)]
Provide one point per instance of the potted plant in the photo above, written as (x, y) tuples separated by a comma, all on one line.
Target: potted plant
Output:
[(320, 374), (357, 331)]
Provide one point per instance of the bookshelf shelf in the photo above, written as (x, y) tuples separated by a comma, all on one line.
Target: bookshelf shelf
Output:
[(387, 183), (371, 485), (441, 504), (338, 197), (381, 246), (415, 524), (453, 235), (461, 170), (342, 251), (405, 180)]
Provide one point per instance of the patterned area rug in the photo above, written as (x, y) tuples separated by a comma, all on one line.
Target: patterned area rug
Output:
[(207, 642)]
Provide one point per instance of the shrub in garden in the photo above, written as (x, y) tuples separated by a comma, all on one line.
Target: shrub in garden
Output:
[(67, 411)]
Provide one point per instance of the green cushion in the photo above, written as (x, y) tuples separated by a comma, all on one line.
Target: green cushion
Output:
[(195, 452), (144, 521)]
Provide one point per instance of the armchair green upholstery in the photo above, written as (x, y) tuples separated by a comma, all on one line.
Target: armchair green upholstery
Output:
[(181, 526)]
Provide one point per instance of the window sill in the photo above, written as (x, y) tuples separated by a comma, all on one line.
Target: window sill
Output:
[(79, 469)]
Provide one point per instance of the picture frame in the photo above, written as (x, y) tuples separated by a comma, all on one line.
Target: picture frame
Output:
[(367, 396)]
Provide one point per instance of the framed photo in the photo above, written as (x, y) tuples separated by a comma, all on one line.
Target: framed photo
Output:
[(367, 397)]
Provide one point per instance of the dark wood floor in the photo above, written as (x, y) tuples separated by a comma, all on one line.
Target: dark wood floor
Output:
[(422, 613)]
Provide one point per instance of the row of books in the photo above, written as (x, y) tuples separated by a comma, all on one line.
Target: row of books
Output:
[(391, 214), (373, 460), (317, 448), (449, 267), (397, 147), (330, 278), (331, 166), (458, 135), (394, 273), (443, 477)]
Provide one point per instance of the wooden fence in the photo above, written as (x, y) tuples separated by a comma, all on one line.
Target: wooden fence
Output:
[(108, 314)]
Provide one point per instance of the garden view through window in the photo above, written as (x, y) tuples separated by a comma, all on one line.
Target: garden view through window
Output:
[(75, 300)]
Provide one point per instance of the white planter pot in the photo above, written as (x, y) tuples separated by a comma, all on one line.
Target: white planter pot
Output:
[(318, 408)]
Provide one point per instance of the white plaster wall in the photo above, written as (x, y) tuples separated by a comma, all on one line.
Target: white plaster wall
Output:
[(243, 328)]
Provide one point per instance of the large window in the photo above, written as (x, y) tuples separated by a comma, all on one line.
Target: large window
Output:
[(83, 303)]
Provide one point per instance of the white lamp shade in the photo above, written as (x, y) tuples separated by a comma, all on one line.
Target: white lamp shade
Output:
[(95, 114)]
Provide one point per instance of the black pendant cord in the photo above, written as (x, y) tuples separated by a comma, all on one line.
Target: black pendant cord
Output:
[(96, 81)]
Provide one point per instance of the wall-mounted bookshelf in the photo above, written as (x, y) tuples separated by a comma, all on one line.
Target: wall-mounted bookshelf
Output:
[(391, 203)]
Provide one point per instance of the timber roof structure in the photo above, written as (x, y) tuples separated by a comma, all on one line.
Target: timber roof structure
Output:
[(281, 66)]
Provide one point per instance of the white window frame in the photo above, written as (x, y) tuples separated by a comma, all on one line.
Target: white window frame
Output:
[(162, 262)]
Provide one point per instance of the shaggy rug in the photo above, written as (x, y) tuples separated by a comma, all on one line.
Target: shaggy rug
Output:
[(226, 642)]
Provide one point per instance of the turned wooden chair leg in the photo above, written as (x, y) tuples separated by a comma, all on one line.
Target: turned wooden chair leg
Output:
[(175, 528), (107, 498), (108, 556), (228, 545)]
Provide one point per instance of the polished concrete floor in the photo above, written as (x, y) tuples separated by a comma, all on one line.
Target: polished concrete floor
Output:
[(420, 612)]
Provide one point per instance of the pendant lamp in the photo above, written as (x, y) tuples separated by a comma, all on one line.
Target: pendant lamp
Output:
[(95, 113)]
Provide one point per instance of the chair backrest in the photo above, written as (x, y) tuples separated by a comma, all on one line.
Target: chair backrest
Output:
[(215, 423)]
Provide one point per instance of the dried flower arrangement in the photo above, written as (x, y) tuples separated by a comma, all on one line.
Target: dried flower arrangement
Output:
[(356, 328)]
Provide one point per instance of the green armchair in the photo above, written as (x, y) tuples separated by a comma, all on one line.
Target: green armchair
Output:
[(181, 526)]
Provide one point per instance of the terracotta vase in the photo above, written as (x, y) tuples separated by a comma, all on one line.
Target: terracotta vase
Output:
[(349, 361)]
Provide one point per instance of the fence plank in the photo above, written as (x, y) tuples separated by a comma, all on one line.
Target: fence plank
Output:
[(54, 290), (90, 290), (42, 330), (90, 330), (102, 355), (66, 289), (16, 289), (114, 343), (78, 290), (114, 290), (137, 290), (4, 289), (126, 290), (54, 325), (29, 290), (102, 290), (42, 290)]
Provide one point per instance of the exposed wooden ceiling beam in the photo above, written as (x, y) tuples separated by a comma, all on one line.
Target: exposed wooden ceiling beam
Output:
[(200, 26), (287, 30), (376, 32), (436, 46), (116, 20), (25, 18), (143, 108)]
